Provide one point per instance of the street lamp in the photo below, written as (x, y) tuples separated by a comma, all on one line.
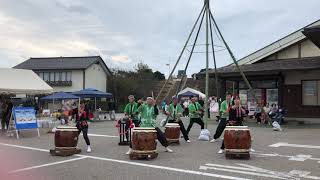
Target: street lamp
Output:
[(169, 69)]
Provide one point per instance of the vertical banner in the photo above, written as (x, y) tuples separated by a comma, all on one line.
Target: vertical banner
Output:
[(25, 118)]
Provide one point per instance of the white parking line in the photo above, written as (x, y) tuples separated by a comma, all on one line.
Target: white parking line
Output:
[(285, 144), (24, 147), (299, 157), (102, 135), (241, 172), (260, 172), (167, 168), (45, 165), (139, 164)]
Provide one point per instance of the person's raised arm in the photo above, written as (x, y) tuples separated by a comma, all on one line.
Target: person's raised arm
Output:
[(156, 110)]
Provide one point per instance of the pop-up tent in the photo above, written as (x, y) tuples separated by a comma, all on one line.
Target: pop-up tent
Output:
[(189, 92), (92, 93), (20, 81), (59, 96)]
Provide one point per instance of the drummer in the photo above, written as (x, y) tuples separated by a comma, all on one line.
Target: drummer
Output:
[(174, 113), (224, 111), (236, 114), (82, 125), (149, 112), (131, 110)]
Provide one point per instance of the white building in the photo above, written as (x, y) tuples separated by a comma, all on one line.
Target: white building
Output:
[(70, 73)]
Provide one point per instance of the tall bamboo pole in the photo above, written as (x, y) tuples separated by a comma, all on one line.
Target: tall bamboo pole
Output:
[(183, 49), (207, 64)]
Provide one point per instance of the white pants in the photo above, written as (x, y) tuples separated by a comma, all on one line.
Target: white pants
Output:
[(112, 115)]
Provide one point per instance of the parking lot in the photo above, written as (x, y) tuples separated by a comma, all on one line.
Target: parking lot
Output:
[(291, 154)]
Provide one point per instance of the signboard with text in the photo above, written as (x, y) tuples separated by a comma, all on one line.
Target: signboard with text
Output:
[(25, 118)]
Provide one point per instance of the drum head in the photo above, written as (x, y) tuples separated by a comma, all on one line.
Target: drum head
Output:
[(172, 125), (237, 127), (67, 128), (143, 129)]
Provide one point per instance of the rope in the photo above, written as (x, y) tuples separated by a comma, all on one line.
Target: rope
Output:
[(214, 60), (183, 49), (234, 59), (191, 53)]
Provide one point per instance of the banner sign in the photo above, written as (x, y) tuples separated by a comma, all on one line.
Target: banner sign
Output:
[(25, 118)]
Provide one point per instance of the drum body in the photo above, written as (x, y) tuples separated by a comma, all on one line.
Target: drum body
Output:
[(144, 140), (172, 132), (237, 139), (66, 137)]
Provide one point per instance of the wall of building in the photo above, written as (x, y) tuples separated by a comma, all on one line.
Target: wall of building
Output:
[(289, 53), (96, 78), (295, 77), (300, 50), (308, 49), (77, 83), (293, 94)]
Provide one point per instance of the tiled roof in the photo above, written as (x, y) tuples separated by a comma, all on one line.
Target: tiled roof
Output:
[(274, 65), (56, 63)]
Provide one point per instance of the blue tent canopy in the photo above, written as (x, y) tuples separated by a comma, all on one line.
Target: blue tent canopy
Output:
[(92, 93), (59, 96)]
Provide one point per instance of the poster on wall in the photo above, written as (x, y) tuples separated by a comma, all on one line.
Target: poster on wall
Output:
[(25, 118), (272, 96), (251, 107)]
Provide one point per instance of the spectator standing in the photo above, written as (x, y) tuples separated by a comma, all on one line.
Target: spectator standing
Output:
[(257, 113), (111, 109)]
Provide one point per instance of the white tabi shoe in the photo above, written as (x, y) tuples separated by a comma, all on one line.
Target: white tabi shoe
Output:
[(221, 151), (129, 152), (252, 150), (88, 149), (168, 150), (188, 141), (213, 140)]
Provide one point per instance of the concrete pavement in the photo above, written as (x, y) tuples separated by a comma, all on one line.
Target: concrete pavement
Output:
[(28, 157)]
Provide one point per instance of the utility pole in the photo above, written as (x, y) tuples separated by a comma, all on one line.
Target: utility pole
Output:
[(207, 11)]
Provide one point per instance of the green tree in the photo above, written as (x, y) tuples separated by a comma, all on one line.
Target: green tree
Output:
[(139, 82), (159, 76)]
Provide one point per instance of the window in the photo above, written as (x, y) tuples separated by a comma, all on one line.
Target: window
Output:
[(311, 93), (63, 76), (52, 76), (57, 76), (41, 75), (263, 84), (69, 76), (46, 76)]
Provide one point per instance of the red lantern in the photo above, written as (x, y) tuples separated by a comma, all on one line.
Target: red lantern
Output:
[(131, 124)]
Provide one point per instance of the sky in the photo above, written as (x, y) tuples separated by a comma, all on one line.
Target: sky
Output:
[(127, 32)]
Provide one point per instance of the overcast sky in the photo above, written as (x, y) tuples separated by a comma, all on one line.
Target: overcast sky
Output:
[(129, 31)]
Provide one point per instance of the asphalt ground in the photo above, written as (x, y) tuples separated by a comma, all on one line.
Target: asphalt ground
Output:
[(296, 157)]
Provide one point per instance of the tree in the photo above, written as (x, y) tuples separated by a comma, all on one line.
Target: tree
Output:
[(159, 76), (139, 82), (143, 68)]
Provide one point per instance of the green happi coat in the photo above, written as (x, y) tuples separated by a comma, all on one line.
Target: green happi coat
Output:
[(175, 111), (131, 109), (193, 110), (224, 109), (148, 115)]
